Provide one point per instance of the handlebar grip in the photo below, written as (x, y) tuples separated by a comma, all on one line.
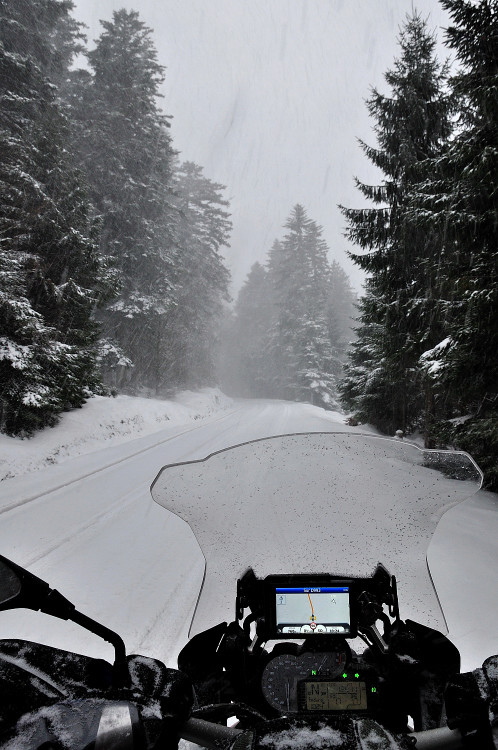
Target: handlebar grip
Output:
[(441, 738), (207, 734)]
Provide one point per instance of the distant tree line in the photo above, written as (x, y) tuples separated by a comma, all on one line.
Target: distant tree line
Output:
[(426, 353), (110, 265), (292, 321)]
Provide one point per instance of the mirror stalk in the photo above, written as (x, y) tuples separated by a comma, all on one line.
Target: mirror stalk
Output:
[(121, 675), (27, 590)]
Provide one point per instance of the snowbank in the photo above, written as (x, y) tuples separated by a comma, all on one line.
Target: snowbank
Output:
[(104, 422)]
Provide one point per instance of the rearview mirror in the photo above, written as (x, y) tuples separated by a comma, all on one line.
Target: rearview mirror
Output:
[(20, 588), (10, 583)]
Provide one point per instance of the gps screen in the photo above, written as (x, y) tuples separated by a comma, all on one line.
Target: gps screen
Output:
[(312, 609)]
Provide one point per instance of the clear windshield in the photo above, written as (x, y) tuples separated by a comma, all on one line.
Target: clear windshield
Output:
[(317, 503)]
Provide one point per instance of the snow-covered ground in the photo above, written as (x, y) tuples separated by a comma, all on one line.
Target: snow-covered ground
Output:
[(79, 514), (104, 422)]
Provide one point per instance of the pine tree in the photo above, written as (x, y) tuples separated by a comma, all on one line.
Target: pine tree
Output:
[(411, 124), (303, 359), (364, 387), (459, 200), (126, 153), (189, 345), (341, 310), (51, 277), (67, 40), (245, 366)]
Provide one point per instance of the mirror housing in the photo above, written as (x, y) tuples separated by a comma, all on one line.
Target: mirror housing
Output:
[(31, 592), (10, 585)]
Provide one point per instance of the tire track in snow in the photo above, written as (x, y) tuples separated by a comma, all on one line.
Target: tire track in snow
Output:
[(99, 520), (55, 534), (111, 464), (106, 516), (186, 590)]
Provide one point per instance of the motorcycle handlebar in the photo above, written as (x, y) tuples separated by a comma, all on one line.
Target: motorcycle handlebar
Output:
[(209, 735)]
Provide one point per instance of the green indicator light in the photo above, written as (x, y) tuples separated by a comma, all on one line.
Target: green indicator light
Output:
[(344, 675), (313, 672), (357, 675), (374, 690)]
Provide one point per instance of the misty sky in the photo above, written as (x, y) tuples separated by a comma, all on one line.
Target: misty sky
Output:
[(268, 96)]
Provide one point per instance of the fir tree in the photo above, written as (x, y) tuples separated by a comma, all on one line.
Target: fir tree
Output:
[(126, 153), (341, 310), (67, 40), (411, 124), (245, 367), (189, 346), (51, 277), (303, 359), (364, 387), (459, 200)]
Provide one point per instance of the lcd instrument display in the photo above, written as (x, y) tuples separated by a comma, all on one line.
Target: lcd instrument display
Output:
[(335, 696)]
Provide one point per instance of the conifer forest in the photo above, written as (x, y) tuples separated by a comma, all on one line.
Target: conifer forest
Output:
[(113, 275)]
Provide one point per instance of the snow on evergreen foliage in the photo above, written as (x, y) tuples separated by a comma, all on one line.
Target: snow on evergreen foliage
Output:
[(427, 349), (466, 212), (51, 275), (291, 323), (126, 154), (400, 315), (305, 364), (459, 200), (202, 229), (163, 224), (112, 269), (244, 357)]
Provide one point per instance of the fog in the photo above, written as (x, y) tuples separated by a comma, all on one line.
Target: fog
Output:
[(268, 96)]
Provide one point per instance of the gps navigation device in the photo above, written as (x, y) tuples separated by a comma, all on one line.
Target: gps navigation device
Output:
[(300, 606), (308, 610)]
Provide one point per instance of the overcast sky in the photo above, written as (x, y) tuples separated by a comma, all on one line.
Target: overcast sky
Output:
[(268, 96)]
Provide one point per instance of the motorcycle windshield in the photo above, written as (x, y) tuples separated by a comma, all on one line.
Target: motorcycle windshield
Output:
[(317, 503)]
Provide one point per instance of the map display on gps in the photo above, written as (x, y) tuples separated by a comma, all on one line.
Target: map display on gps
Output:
[(313, 609)]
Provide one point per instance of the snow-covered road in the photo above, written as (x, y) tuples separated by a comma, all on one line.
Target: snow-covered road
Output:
[(90, 528)]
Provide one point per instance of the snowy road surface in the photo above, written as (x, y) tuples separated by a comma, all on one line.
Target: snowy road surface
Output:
[(90, 528)]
